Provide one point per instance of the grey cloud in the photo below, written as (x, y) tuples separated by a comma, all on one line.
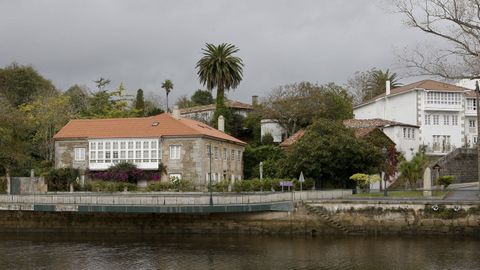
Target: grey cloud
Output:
[(142, 43)]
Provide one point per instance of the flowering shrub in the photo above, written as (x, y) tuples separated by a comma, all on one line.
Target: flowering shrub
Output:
[(127, 173)]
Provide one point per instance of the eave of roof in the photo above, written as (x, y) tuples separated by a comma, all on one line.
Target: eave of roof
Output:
[(427, 85)]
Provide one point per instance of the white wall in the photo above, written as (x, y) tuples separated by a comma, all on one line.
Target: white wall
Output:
[(408, 147), (268, 126)]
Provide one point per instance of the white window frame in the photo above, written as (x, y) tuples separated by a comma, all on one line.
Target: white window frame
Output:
[(175, 152), (79, 153)]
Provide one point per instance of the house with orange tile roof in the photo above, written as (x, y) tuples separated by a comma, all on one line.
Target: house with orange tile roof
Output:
[(444, 113), (205, 113), (182, 145)]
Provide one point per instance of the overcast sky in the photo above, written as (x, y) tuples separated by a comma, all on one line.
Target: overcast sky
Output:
[(142, 43)]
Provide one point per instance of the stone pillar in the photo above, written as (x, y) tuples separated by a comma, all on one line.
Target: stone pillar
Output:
[(427, 183), (221, 123)]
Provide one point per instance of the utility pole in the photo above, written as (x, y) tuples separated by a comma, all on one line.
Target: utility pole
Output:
[(477, 92)]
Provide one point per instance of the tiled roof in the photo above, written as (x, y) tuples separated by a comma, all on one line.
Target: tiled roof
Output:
[(140, 128), (425, 84), (230, 104), (471, 94), (376, 122), (361, 127), (292, 139)]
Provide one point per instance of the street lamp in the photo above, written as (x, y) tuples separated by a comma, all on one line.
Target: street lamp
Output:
[(477, 92), (385, 192), (210, 174)]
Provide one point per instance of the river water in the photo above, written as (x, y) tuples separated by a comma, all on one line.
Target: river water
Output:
[(57, 251)]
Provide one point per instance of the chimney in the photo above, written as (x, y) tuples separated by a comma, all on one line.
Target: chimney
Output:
[(254, 100), (221, 123), (387, 87), (176, 112)]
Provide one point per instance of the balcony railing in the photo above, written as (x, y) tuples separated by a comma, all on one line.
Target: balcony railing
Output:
[(440, 148)]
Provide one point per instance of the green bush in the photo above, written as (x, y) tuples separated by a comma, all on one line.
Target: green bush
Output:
[(3, 185), (445, 180), (60, 179), (221, 186), (160, 186), (109, 186)]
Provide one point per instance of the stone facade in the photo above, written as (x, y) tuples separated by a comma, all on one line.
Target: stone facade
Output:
[(65, 154), (194, 162), (461, 163)]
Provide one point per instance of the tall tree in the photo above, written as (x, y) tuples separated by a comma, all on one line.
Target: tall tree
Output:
[(295, 106), (13, 137), (168, 86), (202, 97), (219, 68), (22, 84), (330, 153), (47, 116), (140, 102), (184, 102), (368, 84), (78, 99), (457, 23), (109, 104)]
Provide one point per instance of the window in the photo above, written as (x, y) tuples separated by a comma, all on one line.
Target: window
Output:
[(107, 146), (138, 145), (153, 155), (471, 104), (79, 154), (115, 154), (444, 98), (122, 145), (224, 153), (175, 151), (446, 119), (93, 155), (413, 133), (100, 155), (130, 145), (100, 146), (427, 119), (455, 120), (209, 151), (130, 154), (215, 152), (232, 155), (92, 146), (471, 123), (122, 155), (145, 155), (404, 133), (239, 155), (153, 145), (145, 145), (115, 145), (436, 119)]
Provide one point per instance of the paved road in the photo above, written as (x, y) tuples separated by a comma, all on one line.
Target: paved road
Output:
[(463, 192)]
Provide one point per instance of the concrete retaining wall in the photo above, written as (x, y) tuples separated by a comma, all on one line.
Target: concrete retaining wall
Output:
[(168, 198)]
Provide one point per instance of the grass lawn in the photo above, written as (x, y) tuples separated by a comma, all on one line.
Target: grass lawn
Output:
[(399, 194)]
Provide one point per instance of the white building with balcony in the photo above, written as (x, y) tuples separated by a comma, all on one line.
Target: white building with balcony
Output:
[(444, 113)]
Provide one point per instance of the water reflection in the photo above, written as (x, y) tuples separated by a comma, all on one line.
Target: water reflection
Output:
[(90, 251)]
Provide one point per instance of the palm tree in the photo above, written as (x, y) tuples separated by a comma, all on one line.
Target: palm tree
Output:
[(168, 86), (219, 68), (376, 82)]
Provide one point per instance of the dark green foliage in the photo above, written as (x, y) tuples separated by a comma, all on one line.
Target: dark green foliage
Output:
[(140, 103), (79, 99), (179, 185), (266, 185), (219, 68), (251, 131), (295, 106), (60, 179), (267, 139), (270, 155), (445, 180), (108, 186), (202, 97), (330, 153), (22, 84)]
